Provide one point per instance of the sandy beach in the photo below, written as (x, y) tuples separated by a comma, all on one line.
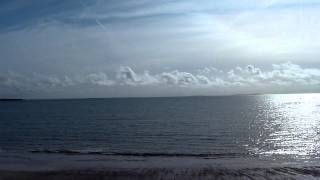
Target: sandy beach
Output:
[(144, 174), (31, 166)]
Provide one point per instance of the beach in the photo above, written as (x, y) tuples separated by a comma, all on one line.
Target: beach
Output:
[(276, 173), (83, 167)]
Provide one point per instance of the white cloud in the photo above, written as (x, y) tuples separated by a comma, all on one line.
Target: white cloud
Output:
[(127, 75), (99, 79), (179, 78), (281, 74), (288, 77)]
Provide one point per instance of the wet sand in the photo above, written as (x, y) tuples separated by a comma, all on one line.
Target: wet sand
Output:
[(85, 167), (151, 173)]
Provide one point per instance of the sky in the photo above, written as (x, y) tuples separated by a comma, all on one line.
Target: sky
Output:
[(129, 48)]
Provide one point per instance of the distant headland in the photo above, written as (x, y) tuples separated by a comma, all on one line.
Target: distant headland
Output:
[(10, 99)]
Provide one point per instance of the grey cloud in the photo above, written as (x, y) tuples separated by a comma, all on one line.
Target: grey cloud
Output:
[(280, 74), (169, 78), (99, 79), (250, 79), (127, 75), (184, 79)]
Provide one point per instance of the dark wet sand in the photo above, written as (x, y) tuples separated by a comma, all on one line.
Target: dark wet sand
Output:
[(163, 173), (92, 167)]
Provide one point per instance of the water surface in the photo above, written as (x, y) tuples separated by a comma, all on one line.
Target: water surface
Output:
[(263, 127)]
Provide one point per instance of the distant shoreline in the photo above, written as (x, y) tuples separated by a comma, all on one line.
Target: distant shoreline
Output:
[(11, 99), (147, 97)]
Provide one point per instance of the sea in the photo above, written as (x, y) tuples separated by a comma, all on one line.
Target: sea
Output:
[(250, 136)]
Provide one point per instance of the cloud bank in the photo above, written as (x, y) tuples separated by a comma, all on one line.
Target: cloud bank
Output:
[(285, 77)]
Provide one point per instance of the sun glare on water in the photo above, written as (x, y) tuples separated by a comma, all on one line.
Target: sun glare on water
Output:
[(293, 126)]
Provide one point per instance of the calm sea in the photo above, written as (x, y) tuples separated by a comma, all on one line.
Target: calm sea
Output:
[(269, 127)]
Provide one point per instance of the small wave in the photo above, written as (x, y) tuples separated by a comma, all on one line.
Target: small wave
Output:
[(143, 154), (215, 155)]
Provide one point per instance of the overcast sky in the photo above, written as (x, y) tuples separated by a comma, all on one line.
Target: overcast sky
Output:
[(117, 48)]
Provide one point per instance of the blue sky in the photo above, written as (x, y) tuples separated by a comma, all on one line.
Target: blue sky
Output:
[(98, 48)]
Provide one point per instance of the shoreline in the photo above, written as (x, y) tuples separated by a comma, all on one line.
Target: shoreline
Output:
[(166, 173), (64, 167)]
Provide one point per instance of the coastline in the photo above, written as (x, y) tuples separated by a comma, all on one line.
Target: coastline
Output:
[(167, 173), (51, 167)]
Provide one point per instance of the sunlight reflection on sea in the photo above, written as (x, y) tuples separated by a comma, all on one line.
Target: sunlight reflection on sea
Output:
[(288, 126)]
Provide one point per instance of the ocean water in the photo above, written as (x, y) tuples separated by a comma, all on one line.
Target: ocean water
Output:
[(272, 128)]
